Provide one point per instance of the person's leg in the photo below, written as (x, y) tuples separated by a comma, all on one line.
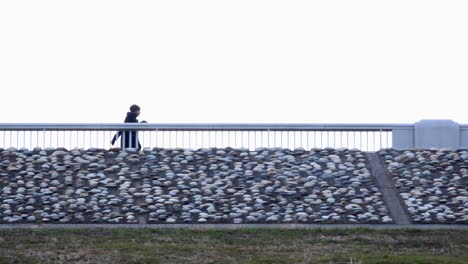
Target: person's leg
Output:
[(134, 140), (127, 139)]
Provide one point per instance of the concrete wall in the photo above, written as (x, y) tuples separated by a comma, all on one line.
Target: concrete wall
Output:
[(439, 133)]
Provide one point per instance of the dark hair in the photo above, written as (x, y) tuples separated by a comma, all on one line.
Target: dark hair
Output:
[(134, 108)]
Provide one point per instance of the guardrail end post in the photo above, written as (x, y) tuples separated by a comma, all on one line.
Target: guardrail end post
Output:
[(437, 133), (403, 138)]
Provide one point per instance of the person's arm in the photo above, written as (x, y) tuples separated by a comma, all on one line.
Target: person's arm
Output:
[(116, 136)]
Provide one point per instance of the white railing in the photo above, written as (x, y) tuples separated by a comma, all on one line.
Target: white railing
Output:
[(367, 137)]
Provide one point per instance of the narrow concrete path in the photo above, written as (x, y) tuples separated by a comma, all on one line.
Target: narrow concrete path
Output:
[(232, 226), (390, 194)]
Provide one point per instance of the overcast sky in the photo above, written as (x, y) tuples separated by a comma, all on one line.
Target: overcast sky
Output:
[(234, 61)]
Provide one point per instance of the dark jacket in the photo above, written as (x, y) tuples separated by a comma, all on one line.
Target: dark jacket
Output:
[(128, 139)]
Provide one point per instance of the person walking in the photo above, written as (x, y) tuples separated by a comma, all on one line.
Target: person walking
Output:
[(129, 138)]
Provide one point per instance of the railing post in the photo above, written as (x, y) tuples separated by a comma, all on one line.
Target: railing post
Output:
[(403, 138), (268, 134), (464, 137)]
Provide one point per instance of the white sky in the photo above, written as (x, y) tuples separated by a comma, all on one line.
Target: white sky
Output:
[(234, 61)]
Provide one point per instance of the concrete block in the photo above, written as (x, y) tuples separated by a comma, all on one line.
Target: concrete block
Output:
[(437, 134)]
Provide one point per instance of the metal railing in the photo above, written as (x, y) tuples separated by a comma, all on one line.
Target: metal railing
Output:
[(366, 137)]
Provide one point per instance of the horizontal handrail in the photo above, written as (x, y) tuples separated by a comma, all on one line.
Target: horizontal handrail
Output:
[(364, 136), (203, 126), (193, 135)]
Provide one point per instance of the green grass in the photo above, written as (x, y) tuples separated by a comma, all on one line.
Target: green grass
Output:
[(121, 245)]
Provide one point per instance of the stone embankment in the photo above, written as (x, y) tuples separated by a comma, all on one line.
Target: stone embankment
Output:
[(195, 186), (433, 184)]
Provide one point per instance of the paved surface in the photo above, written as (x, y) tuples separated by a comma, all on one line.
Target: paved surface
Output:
[(390, 195), (231, 226)]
